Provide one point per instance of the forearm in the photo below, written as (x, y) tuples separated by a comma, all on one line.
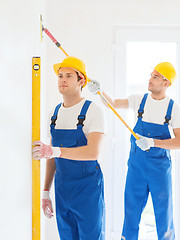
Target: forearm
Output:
[(116, 103), (50, 171), (83, 153), (87, 152), (171, 144), (110, 100)]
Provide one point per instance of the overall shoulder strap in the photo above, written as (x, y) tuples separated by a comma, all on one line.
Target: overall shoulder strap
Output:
[(82, 115), (54, 117), (141, 107), (169, 111)]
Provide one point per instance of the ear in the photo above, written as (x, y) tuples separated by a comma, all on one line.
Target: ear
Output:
[(82, 82), (167, 83)]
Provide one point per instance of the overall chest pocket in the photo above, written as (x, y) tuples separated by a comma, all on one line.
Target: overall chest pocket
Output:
[(68, 143), (157, 133), (64, 138)]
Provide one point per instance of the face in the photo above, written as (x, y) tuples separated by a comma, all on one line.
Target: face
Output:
[(68, 81), (157, 83)]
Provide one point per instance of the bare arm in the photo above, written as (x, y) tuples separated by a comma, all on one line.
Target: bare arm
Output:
[(116, 103), (172, 144), (50, 172), (88, 152)]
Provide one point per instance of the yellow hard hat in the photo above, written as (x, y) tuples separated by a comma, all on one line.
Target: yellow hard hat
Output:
[(74, 63), (167, 70)]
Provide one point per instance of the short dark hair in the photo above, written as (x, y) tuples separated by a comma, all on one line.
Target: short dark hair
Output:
[(79, 78)]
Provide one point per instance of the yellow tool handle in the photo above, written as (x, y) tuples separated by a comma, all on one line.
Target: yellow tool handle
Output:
[(111, 107), (64, 51), (59, 46)]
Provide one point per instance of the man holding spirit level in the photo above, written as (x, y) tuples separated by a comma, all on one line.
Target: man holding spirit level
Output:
[(77, 130)]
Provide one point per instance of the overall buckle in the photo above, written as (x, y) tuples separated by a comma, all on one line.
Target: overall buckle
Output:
[(167, 119), (81, 119), (140, 113), (53, 120)]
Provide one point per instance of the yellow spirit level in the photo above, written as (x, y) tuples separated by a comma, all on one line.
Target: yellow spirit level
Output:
[(36, 76)]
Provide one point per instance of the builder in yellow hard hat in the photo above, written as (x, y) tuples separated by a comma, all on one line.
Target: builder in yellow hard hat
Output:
[(77, 129), (149, 164)]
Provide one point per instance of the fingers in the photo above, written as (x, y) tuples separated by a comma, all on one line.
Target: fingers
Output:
[(38, 143), (48, 213), (36, 156), (37, 151), (138, 135), (47, 208), (50, 207), (93, 82)]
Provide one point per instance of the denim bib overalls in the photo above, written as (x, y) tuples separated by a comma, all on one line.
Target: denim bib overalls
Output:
[(79, 186), (149, 171)]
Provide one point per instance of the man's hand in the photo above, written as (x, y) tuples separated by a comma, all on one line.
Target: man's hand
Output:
[(94, 86), (42, 150), (47, 204), (144, 143)]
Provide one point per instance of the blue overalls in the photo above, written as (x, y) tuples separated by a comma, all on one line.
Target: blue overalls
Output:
[(149, 171), (79, 186)]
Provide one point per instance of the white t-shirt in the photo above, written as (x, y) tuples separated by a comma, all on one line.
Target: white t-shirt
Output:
[(94, 121), (155, 110)]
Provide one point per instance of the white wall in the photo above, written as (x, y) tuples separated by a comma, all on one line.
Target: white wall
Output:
[(85, 29), (19, 42)]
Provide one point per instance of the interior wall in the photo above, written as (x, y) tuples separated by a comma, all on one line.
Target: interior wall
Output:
[(86, 30), (19, 42)]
